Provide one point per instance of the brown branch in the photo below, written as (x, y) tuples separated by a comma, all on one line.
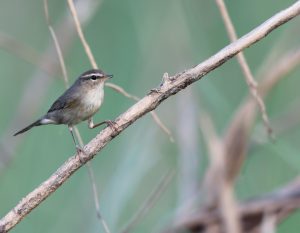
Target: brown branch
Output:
[(169, 87), (244, 65), (236, 141), (253, 212)]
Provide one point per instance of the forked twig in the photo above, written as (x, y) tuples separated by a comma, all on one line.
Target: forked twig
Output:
[(244, 66)]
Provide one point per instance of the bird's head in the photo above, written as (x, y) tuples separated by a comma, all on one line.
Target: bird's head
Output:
[(94, 77)]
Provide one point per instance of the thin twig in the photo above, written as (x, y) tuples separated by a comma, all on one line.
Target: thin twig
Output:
[(244, 66), (122, 91), (56, 44), (95, 66), (150, 201), (81, 35), (153, 113), (94, 186), (219, 188), (287, 63), (170, 87), (96, 199), (22, 51), (66, 80)]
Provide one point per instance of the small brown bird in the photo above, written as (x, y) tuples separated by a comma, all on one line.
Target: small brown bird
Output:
[(79, 103)]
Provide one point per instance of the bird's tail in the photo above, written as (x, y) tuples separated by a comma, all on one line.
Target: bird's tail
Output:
[(36, 123)]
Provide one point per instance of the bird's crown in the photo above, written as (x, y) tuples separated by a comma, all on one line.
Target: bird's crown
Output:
[(94, 73)]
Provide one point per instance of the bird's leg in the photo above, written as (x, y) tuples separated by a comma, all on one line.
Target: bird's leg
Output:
[(107, 122), (78, 148)]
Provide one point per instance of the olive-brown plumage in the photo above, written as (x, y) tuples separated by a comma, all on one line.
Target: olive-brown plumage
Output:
[(78, 103)]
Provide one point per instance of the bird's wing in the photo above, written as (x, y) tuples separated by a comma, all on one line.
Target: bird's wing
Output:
[(59, 105), (67, 100)]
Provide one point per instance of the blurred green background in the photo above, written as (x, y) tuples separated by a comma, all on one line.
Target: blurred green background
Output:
[(137, 41)]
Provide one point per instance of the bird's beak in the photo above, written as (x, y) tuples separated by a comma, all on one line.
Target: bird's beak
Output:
[(109, 76)]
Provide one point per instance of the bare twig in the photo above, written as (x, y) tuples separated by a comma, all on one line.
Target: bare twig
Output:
[(66, 79), (271, 77), (153, 113), (149, 202), (288, 62), (216, 168), (94, 186), (244, 65), (56, 44), (218, 186), (96, 199), (81, 35), (252, 212), (95, 66), (170, 87), (22, 51)]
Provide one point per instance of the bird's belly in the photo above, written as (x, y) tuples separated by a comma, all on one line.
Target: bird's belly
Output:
[(85, 109)]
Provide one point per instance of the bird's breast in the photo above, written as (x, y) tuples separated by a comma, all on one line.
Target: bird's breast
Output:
[(90, 104), (93, 100)]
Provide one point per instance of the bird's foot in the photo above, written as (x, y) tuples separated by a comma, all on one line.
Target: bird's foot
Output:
[(112, 124), (79, 152)]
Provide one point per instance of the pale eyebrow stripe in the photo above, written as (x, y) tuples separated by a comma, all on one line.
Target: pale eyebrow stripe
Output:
[(92, 74)]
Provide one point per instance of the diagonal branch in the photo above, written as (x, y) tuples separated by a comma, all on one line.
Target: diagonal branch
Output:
[(170, 86)]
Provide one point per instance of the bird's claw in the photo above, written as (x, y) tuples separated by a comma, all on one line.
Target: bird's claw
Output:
[(112, 124), (80, 151)]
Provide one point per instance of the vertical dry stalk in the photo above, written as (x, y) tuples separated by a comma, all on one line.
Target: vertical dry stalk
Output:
[(244, 65), (56, 44), (219, 189), (66, 80), (81, 35)]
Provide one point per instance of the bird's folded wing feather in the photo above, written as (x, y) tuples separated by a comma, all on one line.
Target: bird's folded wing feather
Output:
[(63, 103)]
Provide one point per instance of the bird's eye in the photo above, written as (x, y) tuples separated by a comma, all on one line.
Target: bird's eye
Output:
[(94, 77)]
